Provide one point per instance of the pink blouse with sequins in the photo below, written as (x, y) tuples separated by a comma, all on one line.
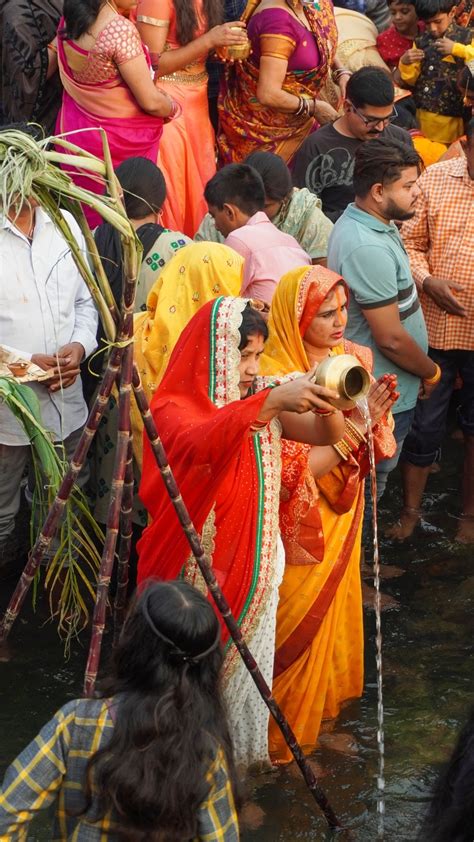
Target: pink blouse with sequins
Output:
[(117, 43)]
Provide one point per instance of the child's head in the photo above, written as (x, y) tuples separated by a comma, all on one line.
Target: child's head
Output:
[(403, 14), (233, 195), (437, 15), (144, 187)]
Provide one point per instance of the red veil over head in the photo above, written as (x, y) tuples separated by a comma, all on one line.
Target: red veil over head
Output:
[(228, 475)]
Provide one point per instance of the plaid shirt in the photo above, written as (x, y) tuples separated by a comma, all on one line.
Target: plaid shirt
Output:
[(52, 769), (439, 240)]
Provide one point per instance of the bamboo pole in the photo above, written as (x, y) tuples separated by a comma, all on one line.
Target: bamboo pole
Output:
[(54, 515), (113, 518), (223, 606), (125, 545)]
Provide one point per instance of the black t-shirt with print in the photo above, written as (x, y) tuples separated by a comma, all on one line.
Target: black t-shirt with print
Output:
[(325, 165)]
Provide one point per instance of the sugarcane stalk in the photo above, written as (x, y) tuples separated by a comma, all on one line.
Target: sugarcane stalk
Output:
[(113, 518), (75, 208), (54, 515), (125, 544), (50, 207), (115, 188), (222, 604)]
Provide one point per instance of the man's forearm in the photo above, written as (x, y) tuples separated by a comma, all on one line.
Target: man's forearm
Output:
[(402, 350)]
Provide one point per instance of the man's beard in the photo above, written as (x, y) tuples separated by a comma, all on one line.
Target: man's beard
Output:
[(393, 211), (375, 133)]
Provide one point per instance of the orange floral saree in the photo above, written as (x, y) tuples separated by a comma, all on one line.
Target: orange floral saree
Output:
[(319, 643)]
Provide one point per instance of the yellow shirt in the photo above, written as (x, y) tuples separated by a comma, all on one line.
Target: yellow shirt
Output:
[(437, 127), (464, 51)]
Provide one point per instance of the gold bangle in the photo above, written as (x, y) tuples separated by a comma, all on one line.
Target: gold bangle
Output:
[(431, 381), (342, 449), (354, 431)]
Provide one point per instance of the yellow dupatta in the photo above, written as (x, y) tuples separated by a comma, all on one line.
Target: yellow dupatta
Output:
[(195, 275), (284, 349)]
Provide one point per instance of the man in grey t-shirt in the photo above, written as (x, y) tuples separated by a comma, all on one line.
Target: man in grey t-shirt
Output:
[(325, 161)]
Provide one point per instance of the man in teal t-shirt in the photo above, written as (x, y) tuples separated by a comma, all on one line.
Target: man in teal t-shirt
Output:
[(384, 310)]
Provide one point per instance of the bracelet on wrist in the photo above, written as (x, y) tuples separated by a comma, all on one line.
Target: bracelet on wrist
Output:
[(351, 442), (340, 71), (353, 433), (303, 108), (431, 381), (323, 413)]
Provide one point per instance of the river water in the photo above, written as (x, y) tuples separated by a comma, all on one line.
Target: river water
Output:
[(428, 688)]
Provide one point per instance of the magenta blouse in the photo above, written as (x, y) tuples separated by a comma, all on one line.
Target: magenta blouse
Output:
[(305, 54)]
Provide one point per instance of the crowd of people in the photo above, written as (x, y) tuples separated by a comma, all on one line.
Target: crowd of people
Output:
[(313, 197)]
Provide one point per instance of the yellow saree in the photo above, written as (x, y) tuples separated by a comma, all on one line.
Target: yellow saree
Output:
[(197, 274), (319, 639)]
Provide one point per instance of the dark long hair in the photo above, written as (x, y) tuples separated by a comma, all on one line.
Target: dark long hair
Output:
[(451, 814), (187, 20), (170, 719), (275, 174), (79, 15)]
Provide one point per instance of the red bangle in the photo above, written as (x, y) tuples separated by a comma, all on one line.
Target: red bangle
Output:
[(323, 412)]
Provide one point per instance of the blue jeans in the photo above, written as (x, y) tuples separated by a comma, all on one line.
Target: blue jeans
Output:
[(403, 421), (422, 445)]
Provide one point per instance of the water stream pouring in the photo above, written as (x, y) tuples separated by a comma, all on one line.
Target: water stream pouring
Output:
[(364, 408)]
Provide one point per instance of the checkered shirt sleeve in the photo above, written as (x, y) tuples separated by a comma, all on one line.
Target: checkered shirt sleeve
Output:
[(439, 241), (217, 821), (52, 769), (33, 780)]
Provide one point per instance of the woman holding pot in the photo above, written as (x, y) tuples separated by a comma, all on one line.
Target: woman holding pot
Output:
[(319, 638), (277, 95), (180, 34)]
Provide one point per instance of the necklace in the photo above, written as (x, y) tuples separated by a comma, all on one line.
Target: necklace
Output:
[(299, 13)]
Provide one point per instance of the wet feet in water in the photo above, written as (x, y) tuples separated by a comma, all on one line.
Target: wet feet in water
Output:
[(295, 772), (251, 816), (405, 526), (344, 743), (386, 602), (465, 533), (387, 571)]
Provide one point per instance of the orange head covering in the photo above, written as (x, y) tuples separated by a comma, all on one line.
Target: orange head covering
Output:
[(298, 297)]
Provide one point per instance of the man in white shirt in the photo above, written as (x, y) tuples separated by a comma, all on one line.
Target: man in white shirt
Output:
[(47, 316)]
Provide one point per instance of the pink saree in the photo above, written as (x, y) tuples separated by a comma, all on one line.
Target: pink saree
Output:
[(109, 105)]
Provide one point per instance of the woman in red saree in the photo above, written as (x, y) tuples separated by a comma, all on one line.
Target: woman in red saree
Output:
[(319, 639), (225, 454), (276, 97), (105, 72)]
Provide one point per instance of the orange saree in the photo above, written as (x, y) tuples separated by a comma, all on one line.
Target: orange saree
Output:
[(187, 154), (319, 643)]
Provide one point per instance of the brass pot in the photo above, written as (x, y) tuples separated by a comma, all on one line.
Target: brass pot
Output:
[(344, 374), (238, 52)]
